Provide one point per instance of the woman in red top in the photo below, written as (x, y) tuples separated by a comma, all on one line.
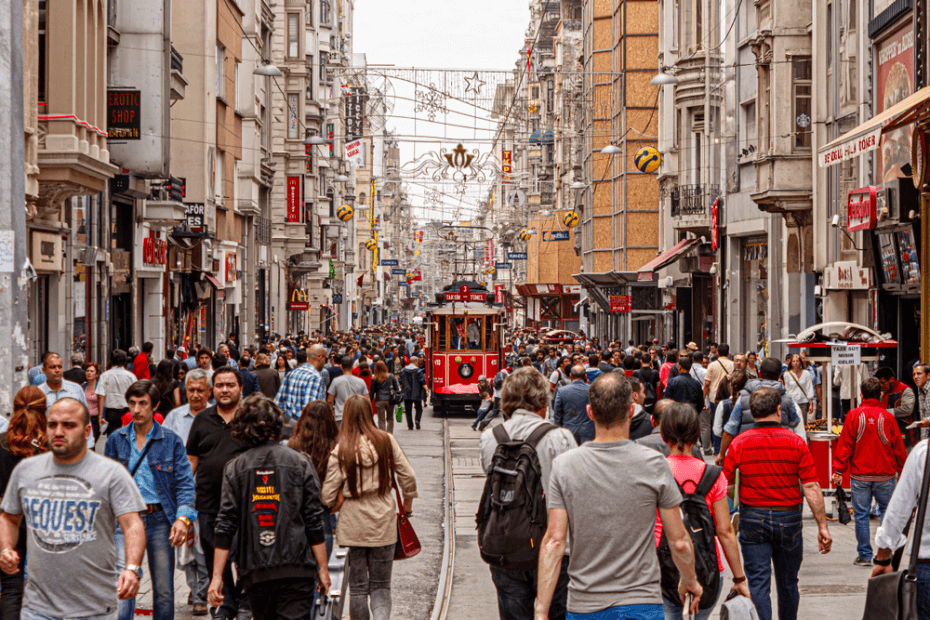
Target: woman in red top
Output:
[(681, 429)]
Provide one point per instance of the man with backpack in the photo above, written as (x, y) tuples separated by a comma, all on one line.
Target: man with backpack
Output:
[(510, 538), (774, 466), (614, 570)]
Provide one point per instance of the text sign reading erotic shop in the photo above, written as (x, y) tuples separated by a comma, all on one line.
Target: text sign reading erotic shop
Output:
[(465, 296), (621, 304), (846, 356), (124, 114)]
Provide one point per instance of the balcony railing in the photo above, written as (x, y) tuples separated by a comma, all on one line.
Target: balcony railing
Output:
[(262, 231), (693, 199)]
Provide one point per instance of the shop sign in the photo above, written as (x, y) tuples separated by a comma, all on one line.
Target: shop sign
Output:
[(507, 165), (516, 255), (124, 118), (47, 252), (894, 83), (299, 301), (503, 265), (715, 225), (846, 355), (231, 260), (621, 304), (355, 154), (194, 213), (293, 199), (851, 148), (398, 272), (466, 296), (154, 252), (571, 289), (861, 212), (557, 235), (389, 262), (499, 293), (847, 275)]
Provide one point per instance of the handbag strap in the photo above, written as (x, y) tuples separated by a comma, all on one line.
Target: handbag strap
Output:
[(921, 515), (400, 502), (803, 391), (145, 451)]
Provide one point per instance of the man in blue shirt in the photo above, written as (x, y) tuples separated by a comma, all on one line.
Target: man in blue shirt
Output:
[(570, 407), (158, 464)]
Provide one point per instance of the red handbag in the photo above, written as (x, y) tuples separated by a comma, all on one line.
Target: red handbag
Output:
[(408, 545)]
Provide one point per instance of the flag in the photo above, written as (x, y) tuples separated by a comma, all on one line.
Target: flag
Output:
[(361, 280), (529, 60), (332, 270)]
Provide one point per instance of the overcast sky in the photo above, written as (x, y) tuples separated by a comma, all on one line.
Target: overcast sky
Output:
[(447, 34)]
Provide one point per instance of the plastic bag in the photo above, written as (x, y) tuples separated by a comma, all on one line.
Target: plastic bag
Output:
[(842, 508), (399, 413)]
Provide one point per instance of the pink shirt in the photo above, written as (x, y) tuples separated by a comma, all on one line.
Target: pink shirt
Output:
[(687, 471)]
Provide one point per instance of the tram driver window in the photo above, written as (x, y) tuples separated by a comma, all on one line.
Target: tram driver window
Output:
[(473, 333), (442, 340), (457, 332)]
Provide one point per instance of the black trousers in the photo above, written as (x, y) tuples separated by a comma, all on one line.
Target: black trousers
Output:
[(408, 406), (11, 599), (114, 419), (233, 597), (282, 599)]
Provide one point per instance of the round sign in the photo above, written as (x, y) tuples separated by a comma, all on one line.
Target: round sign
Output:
[(464, 290), (804, 121), (516, 198), (919, 159)]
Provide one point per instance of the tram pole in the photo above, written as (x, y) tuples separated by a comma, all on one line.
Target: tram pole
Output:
[(14, 361)]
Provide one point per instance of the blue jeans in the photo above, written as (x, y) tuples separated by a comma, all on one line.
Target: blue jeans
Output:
[(161, 566), (923, 591), (621, 612), (197, 579), (516, 593), (673, 611), (772, 539), (28, 614), (862, 494)]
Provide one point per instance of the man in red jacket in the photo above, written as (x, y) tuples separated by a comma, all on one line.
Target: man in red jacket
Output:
[(872, 449)]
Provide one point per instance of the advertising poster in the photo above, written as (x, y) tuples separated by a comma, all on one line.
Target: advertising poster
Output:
[(895, 83)]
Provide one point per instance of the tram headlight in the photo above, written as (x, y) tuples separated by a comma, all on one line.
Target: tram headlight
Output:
[(466, 370)]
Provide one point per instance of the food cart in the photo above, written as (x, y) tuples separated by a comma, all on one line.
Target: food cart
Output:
[(830, 344)]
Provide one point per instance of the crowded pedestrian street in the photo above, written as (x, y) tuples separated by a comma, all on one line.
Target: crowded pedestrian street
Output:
[(500, 309)]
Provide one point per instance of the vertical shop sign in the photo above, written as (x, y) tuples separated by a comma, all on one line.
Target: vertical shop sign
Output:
[(293, 199), (895, 79)]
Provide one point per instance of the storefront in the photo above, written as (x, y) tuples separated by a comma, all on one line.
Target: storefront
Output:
[(755, 293), (551, 306)]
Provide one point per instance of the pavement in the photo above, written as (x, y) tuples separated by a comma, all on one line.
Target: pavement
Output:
[(830, 585)]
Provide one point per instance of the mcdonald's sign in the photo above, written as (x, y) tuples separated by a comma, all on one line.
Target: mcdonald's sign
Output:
[(299, 300)]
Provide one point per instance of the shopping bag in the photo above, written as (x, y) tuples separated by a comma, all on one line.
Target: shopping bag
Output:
[(399, 413), (842, 508), (738, 607)]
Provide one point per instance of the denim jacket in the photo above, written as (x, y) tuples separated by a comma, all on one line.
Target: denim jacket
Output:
[(171, 470)]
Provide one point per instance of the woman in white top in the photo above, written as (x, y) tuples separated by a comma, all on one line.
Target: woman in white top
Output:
[(798, 384)]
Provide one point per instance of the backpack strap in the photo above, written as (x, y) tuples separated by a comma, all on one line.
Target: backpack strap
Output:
[(541, 431), (711, 474), (500, 434)]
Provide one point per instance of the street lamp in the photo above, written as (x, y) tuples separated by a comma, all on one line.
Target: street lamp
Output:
[(662, 78), (578, 185), (611, 149), (315, 141), (341, 179), (268, 70)]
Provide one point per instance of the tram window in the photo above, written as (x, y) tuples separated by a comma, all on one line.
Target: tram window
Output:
[(489, 344), (442, 340), (457, 333), (473, 333)]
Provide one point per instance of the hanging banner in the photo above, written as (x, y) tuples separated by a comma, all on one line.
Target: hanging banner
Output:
[(895, 82), (620, 304), (355, 153), (293, 200)]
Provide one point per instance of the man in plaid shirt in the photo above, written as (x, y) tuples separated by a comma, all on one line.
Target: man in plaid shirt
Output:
[(304, 384)]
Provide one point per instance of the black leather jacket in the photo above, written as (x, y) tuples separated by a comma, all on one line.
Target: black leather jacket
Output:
[(271, 498)]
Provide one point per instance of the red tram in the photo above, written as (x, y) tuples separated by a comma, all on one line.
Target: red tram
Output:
[(464, 341)]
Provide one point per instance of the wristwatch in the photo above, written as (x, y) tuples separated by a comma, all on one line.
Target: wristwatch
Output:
[(136, 569), (878, 562)]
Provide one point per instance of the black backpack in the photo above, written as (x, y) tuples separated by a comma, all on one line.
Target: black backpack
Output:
[(649, 378), (699, 522), (512, 516)]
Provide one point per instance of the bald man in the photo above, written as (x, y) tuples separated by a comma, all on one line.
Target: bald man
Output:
[(304, 384)]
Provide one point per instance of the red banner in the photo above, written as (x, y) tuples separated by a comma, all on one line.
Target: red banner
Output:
[(620, 304), (293, 199)]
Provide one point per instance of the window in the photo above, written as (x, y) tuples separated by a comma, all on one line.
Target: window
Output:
[(801, 72), (692, 25), (325, 13), (236, 83), (535, 92), (749, 124), (218, 176), (220, 71), (309, 15), (43, 55), (764, 129), (550, 96), (293, 122), (309, 76), (293, 35)]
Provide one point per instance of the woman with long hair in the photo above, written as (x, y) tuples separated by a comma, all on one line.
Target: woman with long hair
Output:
[(681, 428), (281, 365), (169, 389), (382, 384), (798, 384), (24, 437), (362, 466), (737, 379), (364, 372), (91, 374), (315, 435), (180, 375)]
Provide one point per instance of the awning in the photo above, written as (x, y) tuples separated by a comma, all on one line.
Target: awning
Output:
[(216, 283), (867, 136), (595, 283), (668, 257)]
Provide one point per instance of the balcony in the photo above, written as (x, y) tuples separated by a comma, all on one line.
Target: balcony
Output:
[(690, 205), (178, 83)]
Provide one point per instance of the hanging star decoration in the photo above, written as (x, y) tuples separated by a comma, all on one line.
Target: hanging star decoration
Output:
[(473, 84)]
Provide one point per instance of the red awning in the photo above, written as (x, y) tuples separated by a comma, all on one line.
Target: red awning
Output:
[(666, 258), (216, 283)]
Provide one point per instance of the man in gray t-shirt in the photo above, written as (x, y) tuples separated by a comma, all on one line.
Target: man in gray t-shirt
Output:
[(342, 388), (608, 481), (71, 500)]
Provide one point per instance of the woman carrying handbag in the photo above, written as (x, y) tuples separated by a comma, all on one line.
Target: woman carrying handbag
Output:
[(363, 465), (903, 595)]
